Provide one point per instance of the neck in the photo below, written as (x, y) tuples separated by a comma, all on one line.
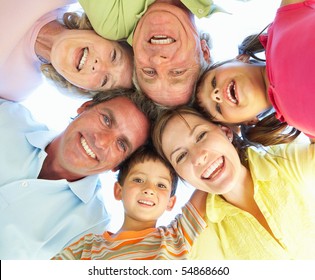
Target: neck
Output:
[(266, 81), (242, 195), (131, 224), (52, 169), (45, 39)]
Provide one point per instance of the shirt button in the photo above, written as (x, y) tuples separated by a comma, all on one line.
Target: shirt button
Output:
[(200, 11), (24, 184)]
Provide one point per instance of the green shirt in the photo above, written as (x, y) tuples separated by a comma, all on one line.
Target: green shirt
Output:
[(117, 19)]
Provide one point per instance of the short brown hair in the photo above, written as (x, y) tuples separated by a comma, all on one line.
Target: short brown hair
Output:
[(145, 152)]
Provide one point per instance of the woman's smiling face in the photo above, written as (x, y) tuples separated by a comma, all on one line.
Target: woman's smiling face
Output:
[(91, 62), (203, 154)]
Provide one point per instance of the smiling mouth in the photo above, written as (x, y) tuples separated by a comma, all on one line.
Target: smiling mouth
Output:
[(231, 94), (82, 60), (146, 202), (214, 169), (161, 40), (87, 149)]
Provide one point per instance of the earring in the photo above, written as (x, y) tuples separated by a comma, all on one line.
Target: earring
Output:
[(230, 139)]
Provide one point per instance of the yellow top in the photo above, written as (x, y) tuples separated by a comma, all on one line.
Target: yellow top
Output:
[(284, 190)]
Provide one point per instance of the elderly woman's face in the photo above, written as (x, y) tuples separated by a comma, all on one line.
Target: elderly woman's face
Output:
[(91, 62), (167, 54), (203, 154)]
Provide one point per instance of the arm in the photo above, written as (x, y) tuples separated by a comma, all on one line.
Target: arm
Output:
[(198, 200), (289, 2), (114, 19)]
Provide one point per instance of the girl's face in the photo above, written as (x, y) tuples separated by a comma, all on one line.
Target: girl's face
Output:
[(203, 154), (91, 62), (234, 92)]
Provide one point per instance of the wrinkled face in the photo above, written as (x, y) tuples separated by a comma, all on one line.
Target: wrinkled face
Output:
[(203, 155), (234, 92), (91, 62), (167, 54), (146, 191), (102, 136)]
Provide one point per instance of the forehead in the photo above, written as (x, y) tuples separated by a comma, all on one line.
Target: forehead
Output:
[(151, 167)]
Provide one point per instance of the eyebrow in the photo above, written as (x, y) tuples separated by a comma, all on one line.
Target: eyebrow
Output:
[(115, 124), (136, 172), (192, 131)]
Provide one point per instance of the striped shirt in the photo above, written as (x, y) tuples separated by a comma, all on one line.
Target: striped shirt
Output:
[(171, 242)]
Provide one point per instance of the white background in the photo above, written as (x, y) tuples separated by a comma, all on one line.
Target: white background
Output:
[(227, 31)]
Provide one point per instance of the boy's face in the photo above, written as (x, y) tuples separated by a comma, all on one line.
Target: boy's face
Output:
[(146, 191)]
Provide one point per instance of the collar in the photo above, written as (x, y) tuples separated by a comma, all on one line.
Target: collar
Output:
[(84, 188), (262, 169)]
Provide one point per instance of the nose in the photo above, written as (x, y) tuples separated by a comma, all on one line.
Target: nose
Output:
[(148, 189), (216, 96), (97, 65), (104, 140), (200, 157), (158, 59)]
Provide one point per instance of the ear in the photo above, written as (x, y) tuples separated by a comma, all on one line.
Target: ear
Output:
[(84, 106), (117, 191), (251, 122), (243, 58), (228, 132), (205, 50), (115, 169), (171, 203)]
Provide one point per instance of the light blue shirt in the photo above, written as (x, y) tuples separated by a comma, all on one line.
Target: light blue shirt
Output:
[(39, 217)]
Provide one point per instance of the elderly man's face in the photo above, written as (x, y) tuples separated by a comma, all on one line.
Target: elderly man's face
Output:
[(102, 136), (167, 54)]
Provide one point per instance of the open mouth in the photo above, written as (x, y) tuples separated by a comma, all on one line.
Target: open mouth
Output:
[(82, 60), (161, 40), (146, 202), (87, 148), (231, 92), (214, 169)]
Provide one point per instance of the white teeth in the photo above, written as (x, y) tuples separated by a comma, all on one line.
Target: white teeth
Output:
[(161, 40), (150, 203), (214, 166), (229, 94), (87, 148), (83, 58)]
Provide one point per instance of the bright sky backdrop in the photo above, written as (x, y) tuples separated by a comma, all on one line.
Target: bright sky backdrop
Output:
[(226, 29)]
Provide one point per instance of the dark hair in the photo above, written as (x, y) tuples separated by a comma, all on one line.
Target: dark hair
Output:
[(251, 45), (268, 130), (145, 105), (143, 153)]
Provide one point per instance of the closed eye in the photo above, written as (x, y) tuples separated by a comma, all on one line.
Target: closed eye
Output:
[(214, 82), (114, 55), (201, 136), (181, 157), (218, 108)]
